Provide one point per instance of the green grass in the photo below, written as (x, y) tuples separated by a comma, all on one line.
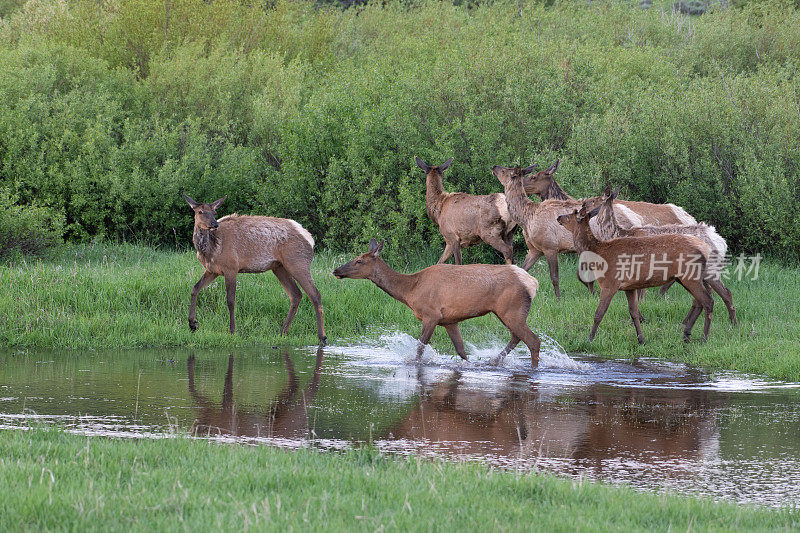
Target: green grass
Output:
[(132, 296), (50, 480)]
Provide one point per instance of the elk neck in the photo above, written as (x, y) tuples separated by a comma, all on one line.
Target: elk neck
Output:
[(583, 238), (391, 282), (555, 192), (518, 201), (206, 242), (434, 195)]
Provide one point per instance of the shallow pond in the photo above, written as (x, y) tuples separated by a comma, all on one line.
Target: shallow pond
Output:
[(653, 425)]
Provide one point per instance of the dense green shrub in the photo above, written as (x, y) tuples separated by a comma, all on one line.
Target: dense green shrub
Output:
[(109, 111), (26, 229)]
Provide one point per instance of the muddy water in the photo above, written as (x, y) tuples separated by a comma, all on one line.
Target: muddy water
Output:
[(652, 425)]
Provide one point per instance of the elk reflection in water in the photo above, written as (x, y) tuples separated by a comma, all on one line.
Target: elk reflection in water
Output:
[(525, 422), (286, 417)]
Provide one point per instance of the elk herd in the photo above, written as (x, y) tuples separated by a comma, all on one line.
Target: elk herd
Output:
[(623, 245)]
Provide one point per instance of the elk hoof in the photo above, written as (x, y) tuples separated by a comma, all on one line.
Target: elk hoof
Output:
[(193, 325), (323, 341)]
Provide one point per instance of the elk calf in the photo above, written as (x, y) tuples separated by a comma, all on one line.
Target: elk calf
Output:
[(444, 295), (465, 219), (253, 244), (633, 263)]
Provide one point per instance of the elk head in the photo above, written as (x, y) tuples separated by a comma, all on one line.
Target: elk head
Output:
[(427, 169), (503, 174), (362, 266), (205, 215), (540, 182)]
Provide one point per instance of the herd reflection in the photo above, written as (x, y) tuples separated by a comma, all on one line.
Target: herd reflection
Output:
[(512, 417)]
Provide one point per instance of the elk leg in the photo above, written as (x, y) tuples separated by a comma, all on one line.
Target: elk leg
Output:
[(205, 281), (665, 287), (530, 259), (633, 308), (230, 289), (497, 242), (457, 253), (294, 293), (302, 275), (425, 336), (458, 342), (699, 290), (605, 300), (552, 262), (724, 293), (448, 251), (694, 312), (505, 351), (517, 323)]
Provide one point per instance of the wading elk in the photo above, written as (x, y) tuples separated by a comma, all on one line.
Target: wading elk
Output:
[(465, 219), (253, 244), (629, 214), (632, 263), (444, 295), (608, 228), (543, 234)]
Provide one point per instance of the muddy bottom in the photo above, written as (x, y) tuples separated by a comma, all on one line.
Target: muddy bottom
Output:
[(652, 425)]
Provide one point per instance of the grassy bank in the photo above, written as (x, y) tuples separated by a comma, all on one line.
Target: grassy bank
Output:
[(53, 480), (132, 296)]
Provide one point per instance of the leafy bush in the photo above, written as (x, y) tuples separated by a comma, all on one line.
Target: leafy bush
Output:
[(110, 111), (26, 229)]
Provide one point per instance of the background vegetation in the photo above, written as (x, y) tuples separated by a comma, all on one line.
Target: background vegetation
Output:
[(110, 109)]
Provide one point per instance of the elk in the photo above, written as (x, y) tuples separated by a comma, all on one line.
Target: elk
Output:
[(543, 235), (444, 295), (465, 219), (629, 213), (610, 229), (663, 257), (253, 244)]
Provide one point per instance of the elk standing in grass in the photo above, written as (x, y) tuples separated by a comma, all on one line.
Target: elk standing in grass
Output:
[(609, 228), (543, 234), (465, 219), (629, 214), (444, 295), (663, 257), (253, 244)]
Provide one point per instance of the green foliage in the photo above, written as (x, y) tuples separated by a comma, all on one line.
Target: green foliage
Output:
[(110, 111), (26, 229)]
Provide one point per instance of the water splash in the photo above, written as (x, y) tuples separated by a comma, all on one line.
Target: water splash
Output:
[(396, 347)]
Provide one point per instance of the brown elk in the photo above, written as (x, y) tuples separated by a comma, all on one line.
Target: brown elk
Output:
[(629, 213), (444, 295), (660, 258), (608, 228), (252, 244), (465, 219), (543, 234)]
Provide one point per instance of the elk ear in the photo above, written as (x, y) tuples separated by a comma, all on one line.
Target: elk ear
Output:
[(375, 247), (593, 212), (191, 202), (422, 164), (446, 164), (552, 169), (616, 192), (607, 191), (528, 170), (215, 205)]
